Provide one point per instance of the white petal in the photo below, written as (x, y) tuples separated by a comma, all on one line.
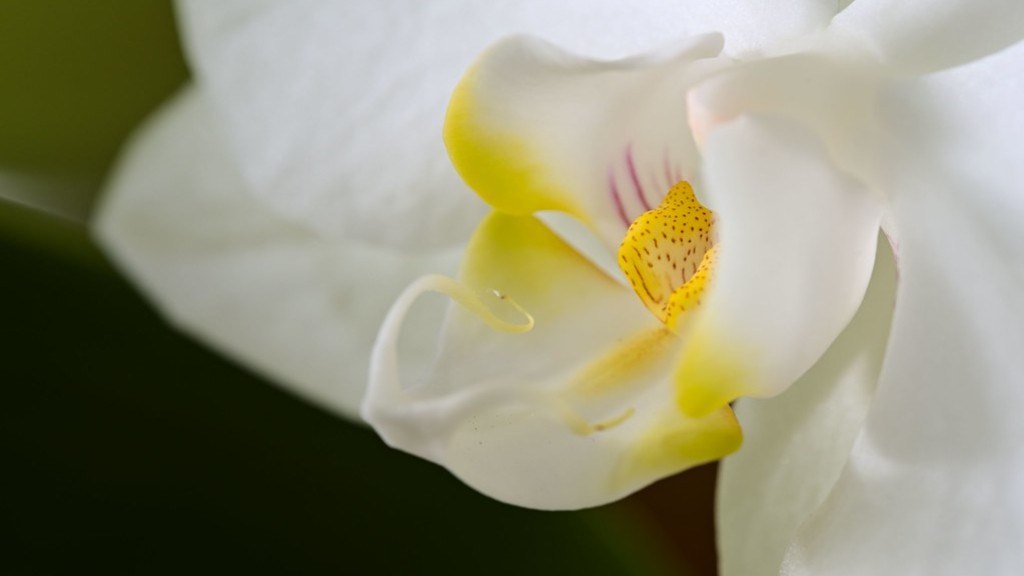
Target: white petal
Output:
[(532, 127), (295, 306), (915, 36), (798, 442), (935, 484), (576, 412), (756, 26), (796, 247), (322, 97), (829, 88)]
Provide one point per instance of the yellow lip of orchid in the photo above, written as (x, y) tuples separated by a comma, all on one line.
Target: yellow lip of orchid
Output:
[(668, 255), (594, 422)]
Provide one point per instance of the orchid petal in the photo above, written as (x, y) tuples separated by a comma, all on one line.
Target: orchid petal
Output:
[(580, 427), (532, 127), (938, 462), (326, 96), (796, 244), (798, 442), (293, 305), (752, 27), (917, 36), (828, 88)]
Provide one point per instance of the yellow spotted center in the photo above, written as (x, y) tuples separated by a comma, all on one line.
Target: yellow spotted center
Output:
[(668, 255)]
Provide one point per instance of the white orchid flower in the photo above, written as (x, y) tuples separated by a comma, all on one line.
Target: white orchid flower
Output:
[(278, 206)]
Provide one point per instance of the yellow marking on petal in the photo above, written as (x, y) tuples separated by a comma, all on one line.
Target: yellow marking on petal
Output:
[(475, 302), (577, 423), (524, 259), (616, 371), (668, 255), (675, 442), (688, 296), (572, 419), (613, 422), (502, 167), (618, 367), (713, 372)]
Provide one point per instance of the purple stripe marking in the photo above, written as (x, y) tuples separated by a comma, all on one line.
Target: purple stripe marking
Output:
[(636, 179), (617, 199)]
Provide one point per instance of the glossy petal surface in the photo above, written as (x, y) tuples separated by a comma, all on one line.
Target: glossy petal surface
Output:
[(916, 36), (795, 252), (939, 461), (752, 27), (829, 89), (300, 308), (798, 442)]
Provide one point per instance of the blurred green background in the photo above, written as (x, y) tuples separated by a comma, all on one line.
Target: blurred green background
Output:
[(128, 449)]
